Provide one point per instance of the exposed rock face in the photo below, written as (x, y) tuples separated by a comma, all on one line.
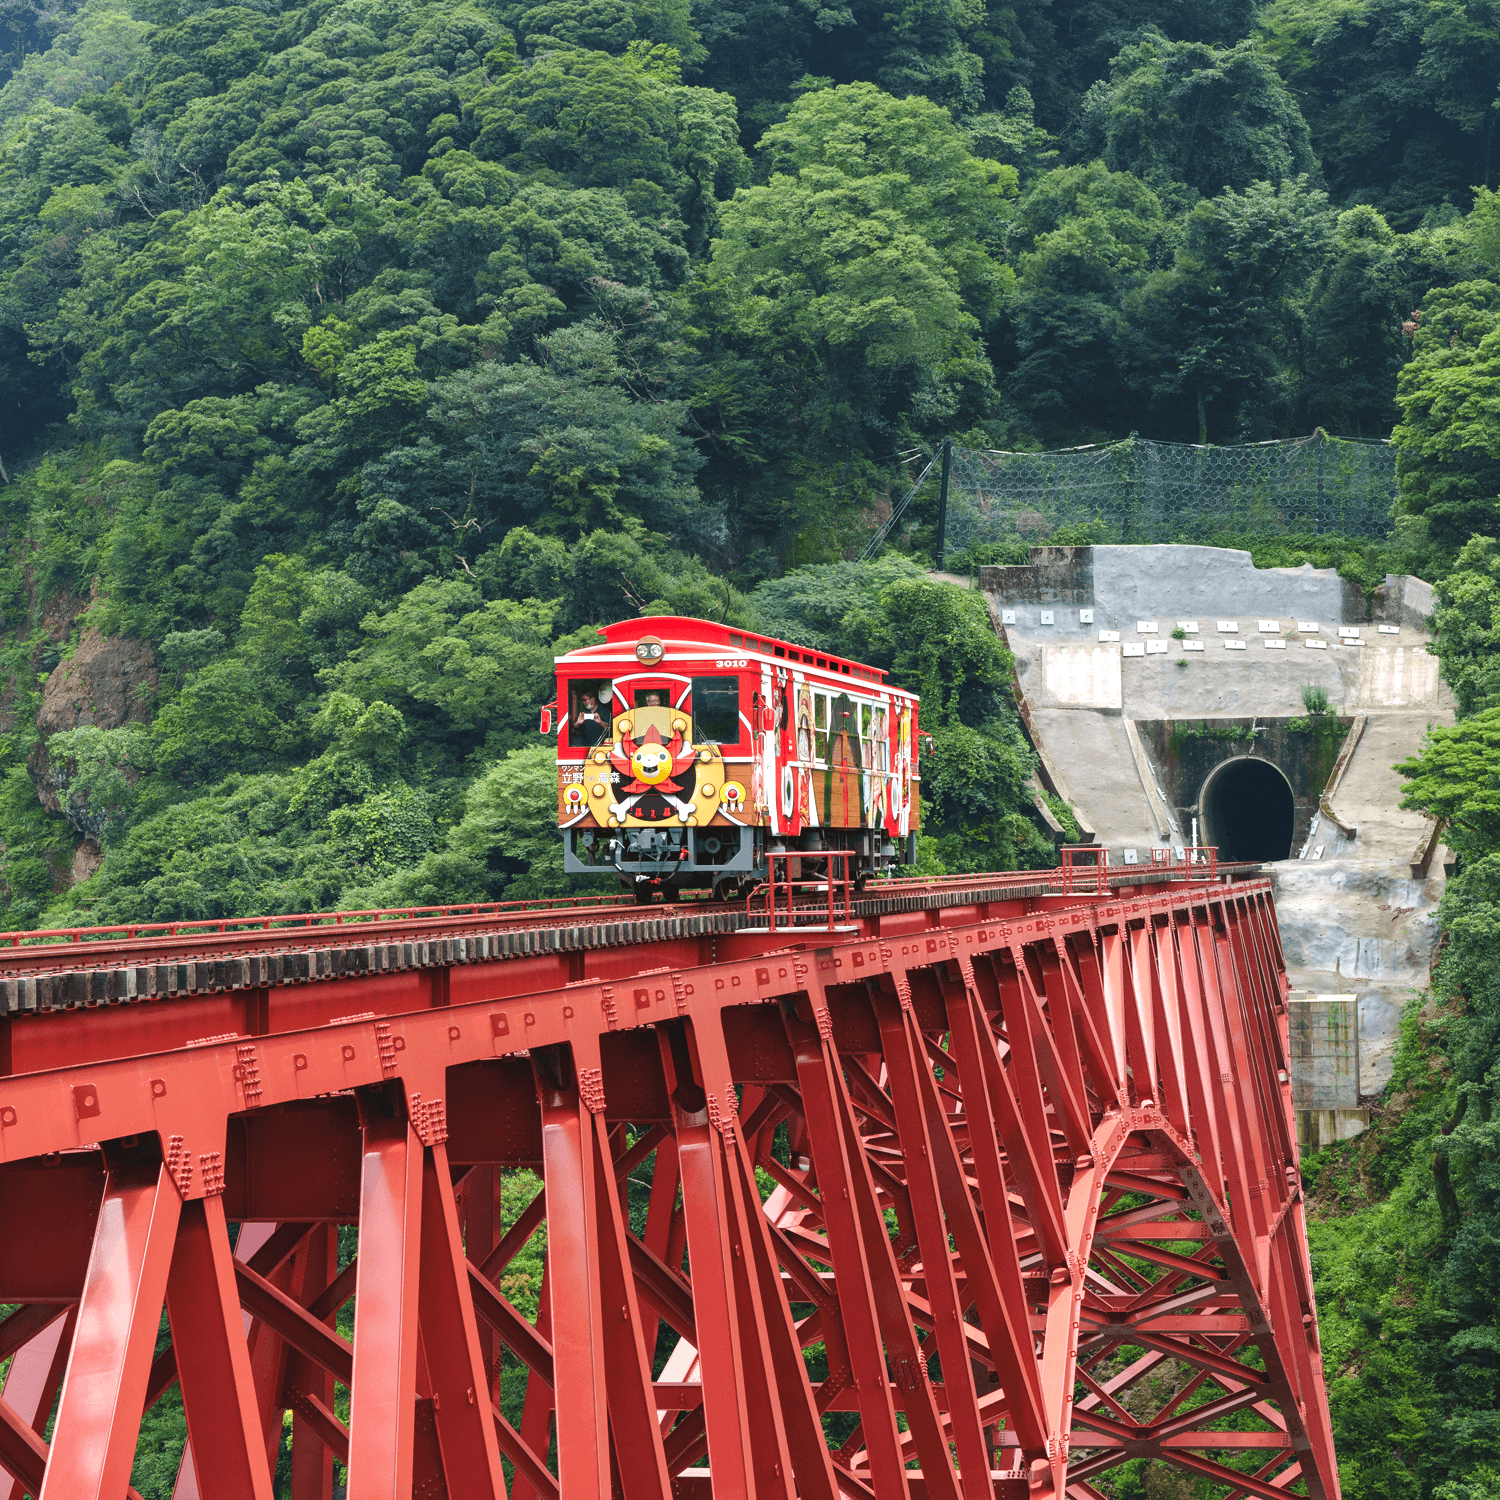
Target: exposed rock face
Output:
[(109, 681), (87, 858)]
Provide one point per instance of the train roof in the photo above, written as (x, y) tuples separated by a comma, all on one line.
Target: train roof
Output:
[(710, 634)]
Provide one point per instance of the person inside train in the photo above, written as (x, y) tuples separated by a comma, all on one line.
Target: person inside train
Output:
[(588, 725)]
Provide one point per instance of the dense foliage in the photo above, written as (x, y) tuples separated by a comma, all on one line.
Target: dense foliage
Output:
[(358, 356)]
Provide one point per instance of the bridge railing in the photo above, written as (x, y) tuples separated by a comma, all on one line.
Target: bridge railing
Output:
[(1196, 860), (1083, 869), (789, 898), (209, 926)]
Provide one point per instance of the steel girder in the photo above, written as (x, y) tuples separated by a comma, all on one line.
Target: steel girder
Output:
[(982, 1202)]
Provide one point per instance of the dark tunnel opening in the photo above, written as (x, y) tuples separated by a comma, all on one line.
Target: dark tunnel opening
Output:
[(1248, 811)]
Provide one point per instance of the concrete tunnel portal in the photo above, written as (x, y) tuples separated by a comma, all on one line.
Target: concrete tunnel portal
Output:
[(1246, 808)]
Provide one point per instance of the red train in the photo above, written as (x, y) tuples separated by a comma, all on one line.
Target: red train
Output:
[(686, 751)]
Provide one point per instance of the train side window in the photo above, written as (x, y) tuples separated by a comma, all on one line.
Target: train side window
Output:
[(716, 710), (820, 728)]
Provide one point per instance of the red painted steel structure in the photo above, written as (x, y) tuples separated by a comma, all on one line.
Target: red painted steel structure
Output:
[(964, 1197)]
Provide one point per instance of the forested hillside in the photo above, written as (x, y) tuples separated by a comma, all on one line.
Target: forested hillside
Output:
[(355, 358)]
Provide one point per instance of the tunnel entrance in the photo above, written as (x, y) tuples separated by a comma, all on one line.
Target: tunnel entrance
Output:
[(1247, 810)]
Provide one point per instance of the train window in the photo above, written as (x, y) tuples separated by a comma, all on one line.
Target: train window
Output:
[(651, 697), (588, 713), (820, 728), (716, 710)]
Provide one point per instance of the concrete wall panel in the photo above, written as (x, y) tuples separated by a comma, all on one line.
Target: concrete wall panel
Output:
[(1398, 677), (1081, 676), (1324, 1051)]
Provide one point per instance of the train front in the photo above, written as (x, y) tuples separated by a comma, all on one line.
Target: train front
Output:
[(658, 772)]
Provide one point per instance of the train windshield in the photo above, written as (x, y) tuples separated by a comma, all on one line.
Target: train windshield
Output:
[(716, 710)]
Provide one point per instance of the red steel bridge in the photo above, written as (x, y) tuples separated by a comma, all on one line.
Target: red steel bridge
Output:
[(980, 1189)]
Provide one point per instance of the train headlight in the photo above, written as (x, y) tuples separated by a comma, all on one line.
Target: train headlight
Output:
[(733, 792), (573, 796), (648, 648)]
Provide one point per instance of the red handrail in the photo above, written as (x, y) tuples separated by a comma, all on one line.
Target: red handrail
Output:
[(835, 883)]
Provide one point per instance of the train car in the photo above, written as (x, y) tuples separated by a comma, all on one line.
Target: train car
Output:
[(686, 750)]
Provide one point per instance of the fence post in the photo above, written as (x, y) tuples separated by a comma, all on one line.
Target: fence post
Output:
[(1320, 439), (943, 501)]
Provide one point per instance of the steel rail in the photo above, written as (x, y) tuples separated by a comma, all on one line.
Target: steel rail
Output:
[(60, 950)]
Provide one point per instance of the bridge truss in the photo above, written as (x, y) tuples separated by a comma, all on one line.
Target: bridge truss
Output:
[(981, 1192)]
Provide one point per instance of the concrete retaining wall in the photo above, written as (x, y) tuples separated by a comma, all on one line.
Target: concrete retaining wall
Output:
[(1130, 583)]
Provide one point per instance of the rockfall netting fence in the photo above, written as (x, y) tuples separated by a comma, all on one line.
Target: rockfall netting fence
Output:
[(1144, 491)]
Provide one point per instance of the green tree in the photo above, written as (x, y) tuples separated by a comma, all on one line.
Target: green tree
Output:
[(1448, 441), (1083, 238), (854, 287), (1457, 778), (1354, 346), (1216, 329), (1398, 96), (1468, 626), (624, 123), (1211, 118), (476, 671)]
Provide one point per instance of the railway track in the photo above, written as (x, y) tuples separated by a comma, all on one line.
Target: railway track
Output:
[(92, 966)]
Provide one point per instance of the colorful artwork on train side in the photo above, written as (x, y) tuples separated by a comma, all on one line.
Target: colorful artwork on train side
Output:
[(843, 804), (907, 814), (806, 806), (878, 768)]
